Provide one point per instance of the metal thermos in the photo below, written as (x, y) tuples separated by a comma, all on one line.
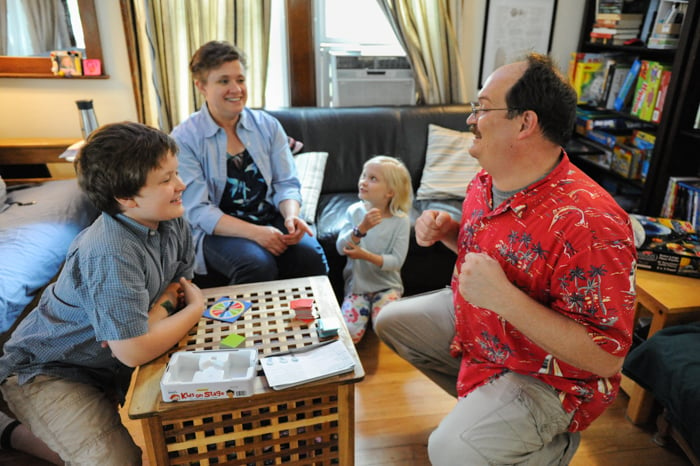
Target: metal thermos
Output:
[(88, 120)]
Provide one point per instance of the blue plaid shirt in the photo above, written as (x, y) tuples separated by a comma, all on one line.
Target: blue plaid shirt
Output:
[(115, 270)]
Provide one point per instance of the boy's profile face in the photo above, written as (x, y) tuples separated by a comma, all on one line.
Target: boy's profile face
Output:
[(160, 198)]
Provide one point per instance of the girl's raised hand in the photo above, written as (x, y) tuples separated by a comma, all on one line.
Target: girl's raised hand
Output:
[(372, 218)]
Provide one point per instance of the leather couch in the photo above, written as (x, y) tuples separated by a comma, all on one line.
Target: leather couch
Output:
[(353, 135)]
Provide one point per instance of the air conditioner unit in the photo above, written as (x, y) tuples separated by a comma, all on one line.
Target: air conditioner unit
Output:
[(371, 80)]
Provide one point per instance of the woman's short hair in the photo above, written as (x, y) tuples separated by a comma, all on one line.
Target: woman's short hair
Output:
[(116, 160), (212, 55), (399, 181), (544, 90)]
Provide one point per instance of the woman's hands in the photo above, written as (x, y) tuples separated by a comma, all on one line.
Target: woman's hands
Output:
[(277, 242)]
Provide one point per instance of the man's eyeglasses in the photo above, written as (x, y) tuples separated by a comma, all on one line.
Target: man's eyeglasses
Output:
[(476, 110)]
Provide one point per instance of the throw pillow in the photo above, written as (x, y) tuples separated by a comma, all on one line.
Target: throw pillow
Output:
[(310, 169), (448, 165)]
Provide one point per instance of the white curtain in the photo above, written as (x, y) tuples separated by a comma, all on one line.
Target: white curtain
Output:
[(162, 36), (426, 29)]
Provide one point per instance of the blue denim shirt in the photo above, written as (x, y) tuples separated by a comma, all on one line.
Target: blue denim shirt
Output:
[(114, 272), (202, 158)]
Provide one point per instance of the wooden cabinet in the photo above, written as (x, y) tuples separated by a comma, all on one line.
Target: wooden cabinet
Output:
[(34, 156), (677, 148)]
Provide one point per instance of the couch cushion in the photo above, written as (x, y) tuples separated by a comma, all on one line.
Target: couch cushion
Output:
[(310, 169), (448, 166), (349, 135), (352, 135), (414, 132), (34, 240)]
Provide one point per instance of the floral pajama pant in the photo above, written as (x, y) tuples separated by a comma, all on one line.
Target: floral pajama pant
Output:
[(358, 309)]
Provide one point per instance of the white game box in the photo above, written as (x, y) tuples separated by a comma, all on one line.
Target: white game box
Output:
[(209, 375)]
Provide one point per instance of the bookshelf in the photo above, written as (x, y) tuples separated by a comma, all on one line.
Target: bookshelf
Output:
[(675, 152)]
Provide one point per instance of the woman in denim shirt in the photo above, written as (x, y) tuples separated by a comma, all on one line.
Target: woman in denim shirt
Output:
[(243, 196)]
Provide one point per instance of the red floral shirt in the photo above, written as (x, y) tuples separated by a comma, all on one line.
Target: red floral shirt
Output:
[(566, 243)]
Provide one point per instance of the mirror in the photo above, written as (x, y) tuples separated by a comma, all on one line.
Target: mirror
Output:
[(40, 67)]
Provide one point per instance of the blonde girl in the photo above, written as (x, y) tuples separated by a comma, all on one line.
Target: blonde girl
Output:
[(375, 240)]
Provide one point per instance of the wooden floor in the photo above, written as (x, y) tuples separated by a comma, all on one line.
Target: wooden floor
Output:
[(397, 408)]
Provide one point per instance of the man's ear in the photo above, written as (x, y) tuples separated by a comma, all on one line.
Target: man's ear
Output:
[(530, 123), (200, 85)]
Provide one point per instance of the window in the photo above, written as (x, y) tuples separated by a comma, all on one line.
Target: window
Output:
[(339, 20), (337, 32)]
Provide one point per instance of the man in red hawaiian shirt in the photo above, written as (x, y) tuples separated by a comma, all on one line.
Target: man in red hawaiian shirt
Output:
[(532, 335)]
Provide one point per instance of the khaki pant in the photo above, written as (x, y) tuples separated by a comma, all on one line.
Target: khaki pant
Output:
[(75, 420), (515, 419)]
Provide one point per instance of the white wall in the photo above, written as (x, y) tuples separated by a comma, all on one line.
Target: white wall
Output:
[(567, 27), (46, 107)]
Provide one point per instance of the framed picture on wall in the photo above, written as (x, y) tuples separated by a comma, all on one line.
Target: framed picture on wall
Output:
[(513, 29)]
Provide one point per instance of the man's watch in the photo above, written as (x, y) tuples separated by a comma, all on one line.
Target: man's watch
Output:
[(356, 232)]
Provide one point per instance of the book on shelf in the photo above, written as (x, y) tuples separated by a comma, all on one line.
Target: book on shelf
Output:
[(670, 207), (593, 76), (665, 33), (307, 364), (588, 75), (624, 96), (609, 6), (629, 17), (590, 151), (646, 90), (609, 73), (627, 161), (588, 119), (619, 72), (688, 202), (611, 38), (644, 140), (609, 138), (649, 20), (617, 23), (661, 96), (662, 42), (616, 31)]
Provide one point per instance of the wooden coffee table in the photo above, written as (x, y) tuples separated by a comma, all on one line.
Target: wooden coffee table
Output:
[(308, 424)]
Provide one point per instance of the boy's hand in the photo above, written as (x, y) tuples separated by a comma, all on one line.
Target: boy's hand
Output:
[(192, 294), (373, 217)]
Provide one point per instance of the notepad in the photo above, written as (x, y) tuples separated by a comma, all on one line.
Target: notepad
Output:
[(307, 364)]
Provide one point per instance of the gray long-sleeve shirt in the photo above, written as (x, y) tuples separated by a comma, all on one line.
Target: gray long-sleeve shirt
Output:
[(389, 239)]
